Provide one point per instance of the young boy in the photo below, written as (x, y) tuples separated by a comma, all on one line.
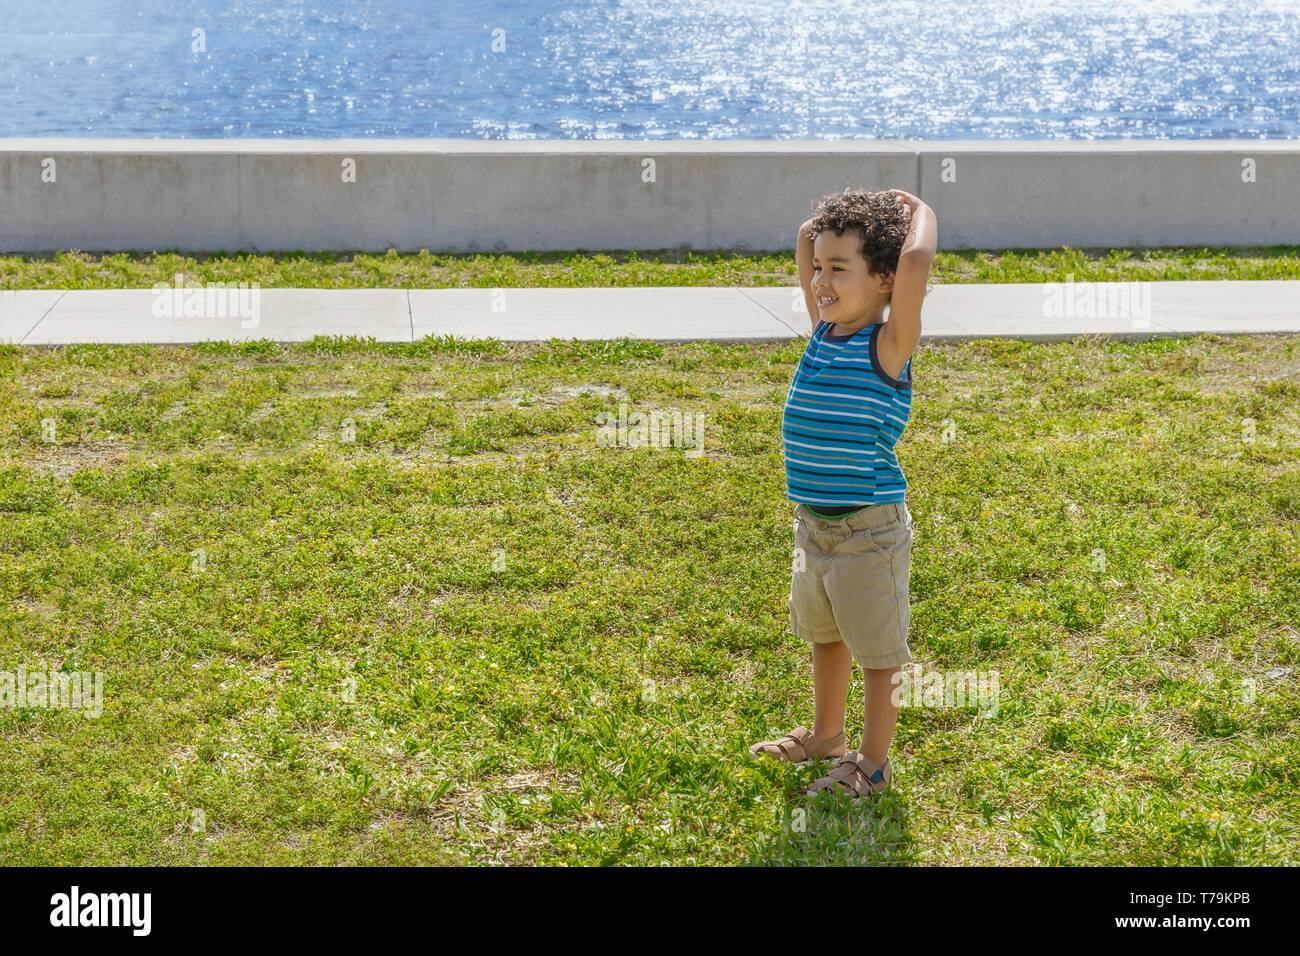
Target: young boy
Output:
[(848, 404)]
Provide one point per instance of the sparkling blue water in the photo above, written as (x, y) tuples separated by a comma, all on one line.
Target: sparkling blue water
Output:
[(652, 69)]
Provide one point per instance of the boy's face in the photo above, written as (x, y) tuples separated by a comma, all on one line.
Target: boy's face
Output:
[(840, 273)]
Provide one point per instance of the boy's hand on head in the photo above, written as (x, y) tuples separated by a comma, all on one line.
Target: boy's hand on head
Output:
[(907, 199)]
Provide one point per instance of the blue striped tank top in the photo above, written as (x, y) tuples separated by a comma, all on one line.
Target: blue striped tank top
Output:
[(842, 417)]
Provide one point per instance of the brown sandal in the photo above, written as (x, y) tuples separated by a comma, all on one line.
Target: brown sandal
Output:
[(798, 747), (857, 776)]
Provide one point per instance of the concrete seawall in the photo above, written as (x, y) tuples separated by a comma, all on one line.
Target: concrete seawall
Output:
[(101, 195)]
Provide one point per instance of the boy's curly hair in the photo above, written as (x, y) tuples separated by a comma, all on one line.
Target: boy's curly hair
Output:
[(881, 216)]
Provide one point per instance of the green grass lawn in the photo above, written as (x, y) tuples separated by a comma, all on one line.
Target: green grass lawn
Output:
[(473, 635), (326, 270)]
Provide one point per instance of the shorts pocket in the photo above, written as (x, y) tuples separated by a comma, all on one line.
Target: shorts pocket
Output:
[(887, 538)]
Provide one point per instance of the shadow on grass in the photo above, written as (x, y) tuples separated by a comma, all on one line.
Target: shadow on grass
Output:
[(832, 829)]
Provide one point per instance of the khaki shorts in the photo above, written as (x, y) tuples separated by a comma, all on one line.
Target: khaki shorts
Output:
[(853, 583)]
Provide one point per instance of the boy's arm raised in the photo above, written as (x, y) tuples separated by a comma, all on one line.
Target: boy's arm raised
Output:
[(803, 258), (903, 330)]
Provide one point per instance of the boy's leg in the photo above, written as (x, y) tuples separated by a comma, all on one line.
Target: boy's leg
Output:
[(832, 666), (880, 713)]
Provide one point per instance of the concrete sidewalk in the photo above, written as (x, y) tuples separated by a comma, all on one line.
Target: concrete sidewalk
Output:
[(1027, 311)]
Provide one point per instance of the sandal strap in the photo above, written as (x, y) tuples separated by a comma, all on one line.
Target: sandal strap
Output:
[(798, 737), (852, 772), (805, 738), (849, 773), (875, 776)]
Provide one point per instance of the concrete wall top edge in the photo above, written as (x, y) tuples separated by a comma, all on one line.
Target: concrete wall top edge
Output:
[(452, 146), (1116, 147), (595, 147)]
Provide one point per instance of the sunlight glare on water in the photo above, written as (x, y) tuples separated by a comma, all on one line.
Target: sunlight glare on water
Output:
[(709, 70)]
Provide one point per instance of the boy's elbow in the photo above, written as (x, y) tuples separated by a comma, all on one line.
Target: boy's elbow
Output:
[(921, 254)]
